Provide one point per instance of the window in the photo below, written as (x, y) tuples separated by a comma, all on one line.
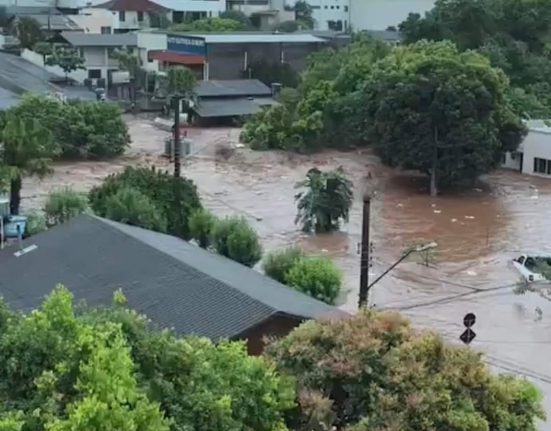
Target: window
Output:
[(338, 7), (325, 7), (346, 8), (122, 16), (332, 7), (542, 166), (140, 16), (106, 30), (94, 73)]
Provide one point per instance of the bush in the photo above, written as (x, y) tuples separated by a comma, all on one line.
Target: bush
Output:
[(234, 238), (317, 277), (201, 222), (132, 207), (62, 205), (175, 198), (36, 223), (278, 263), (81, 129)]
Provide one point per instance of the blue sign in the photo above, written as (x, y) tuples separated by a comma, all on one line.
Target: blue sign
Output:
[(186, 44)]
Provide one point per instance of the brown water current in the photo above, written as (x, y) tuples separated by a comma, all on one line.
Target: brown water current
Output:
[(478, 232)]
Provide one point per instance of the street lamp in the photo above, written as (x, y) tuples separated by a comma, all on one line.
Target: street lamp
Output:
[(417, 249)]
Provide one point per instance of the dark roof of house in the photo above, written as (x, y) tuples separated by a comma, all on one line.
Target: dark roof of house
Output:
[(131, 5), (176, 284), (232, 88), (98, 39), (230, 107)]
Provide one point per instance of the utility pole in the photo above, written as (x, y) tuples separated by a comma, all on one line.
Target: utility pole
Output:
[(177, 166), (364, 259)]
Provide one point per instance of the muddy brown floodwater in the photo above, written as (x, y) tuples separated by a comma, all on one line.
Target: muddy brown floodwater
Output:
[(478, 232)]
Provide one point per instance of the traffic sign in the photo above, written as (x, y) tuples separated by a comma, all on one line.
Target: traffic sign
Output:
[(467, 336), (469, 320)]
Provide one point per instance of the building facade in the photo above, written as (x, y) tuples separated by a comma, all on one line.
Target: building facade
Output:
[(533, 157), (382, 14)]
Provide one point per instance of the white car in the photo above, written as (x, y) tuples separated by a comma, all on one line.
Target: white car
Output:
[(530, 266)]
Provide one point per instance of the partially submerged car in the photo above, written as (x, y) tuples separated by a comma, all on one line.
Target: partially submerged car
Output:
[(534, 268)]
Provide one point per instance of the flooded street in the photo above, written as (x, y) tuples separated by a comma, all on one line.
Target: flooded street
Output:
[(478, 232)]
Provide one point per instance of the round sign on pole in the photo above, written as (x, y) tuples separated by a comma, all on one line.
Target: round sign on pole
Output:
[(469, 320)]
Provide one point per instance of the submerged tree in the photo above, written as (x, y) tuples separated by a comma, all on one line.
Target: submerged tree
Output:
[(325, 202)]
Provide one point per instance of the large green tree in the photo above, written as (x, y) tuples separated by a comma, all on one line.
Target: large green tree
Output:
[(64, 368), (68, 59), (430, 108), (27, 149), (373, 372), (214, 24)]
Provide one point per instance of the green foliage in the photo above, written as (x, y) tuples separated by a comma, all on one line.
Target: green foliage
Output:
[(277, 264), (179, 80), (68, 59), (27, 149), (287, 26), (127, 61), (132, 207), (208, 25), (36, 223), (80, 129), (159, 20), (270, 72), (374, 372), (303, 13), (512, 34), (234, 238), (325, 202), (28, 32), (433, 109), (237, 15), (63, 205), (43, 48), (175, 198), (317, 277), (201, 223), (327, 112)]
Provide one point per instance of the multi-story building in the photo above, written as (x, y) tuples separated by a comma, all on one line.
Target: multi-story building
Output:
[(331, 14), (382, 14)]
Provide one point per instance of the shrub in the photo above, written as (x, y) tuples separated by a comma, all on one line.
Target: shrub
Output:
[(278, 263), (82, 129), (175, 198), (201, 222), (317, 277), (234, 238), (132, 207), (36, 223), (62, 205)]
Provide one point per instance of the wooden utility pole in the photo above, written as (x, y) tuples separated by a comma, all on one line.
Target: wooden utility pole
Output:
[(364, 259), (177, 146)]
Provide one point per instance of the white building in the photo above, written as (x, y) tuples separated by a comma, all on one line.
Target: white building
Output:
[(329, 14), (533, 156), (381, 14)]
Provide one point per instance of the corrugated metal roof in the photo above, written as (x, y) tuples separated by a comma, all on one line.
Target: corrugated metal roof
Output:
[(232, 88), (257, 38), (96, 39), (7, 99), (174, 283), (226, 108)]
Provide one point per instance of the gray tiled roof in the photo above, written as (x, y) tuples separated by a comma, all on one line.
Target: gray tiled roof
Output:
[(175, 283), (232, 88), (98, 39)]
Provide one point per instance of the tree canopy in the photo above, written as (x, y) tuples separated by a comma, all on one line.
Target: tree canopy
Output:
[(431, 108), (373, 372), (513, 34), (214, 24), (66, 369)]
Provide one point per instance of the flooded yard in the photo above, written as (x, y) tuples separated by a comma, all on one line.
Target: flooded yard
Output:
[(478, 232)]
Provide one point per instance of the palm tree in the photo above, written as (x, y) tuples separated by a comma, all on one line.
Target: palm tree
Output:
[(27, 149), (325, 202)]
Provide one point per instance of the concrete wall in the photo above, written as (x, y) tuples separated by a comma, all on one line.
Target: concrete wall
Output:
[(512, 161), (91, 20), (380, 14), (148, 41), (227, 61), (536, 144)]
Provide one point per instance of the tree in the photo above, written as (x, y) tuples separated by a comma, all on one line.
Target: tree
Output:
[(43, 48), (201, 224), (374, 372), (277, 264), (325, 202), (27, 149), (132, 207), (174, 198), (237, 15), (68, 59), (317, 277), (208, 25), (303, 13), (180, 80), (433, 109), (129, 62), (287, 26), (63, 205), (159, 20), (28, 32), (107, 368), (234, 238)]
